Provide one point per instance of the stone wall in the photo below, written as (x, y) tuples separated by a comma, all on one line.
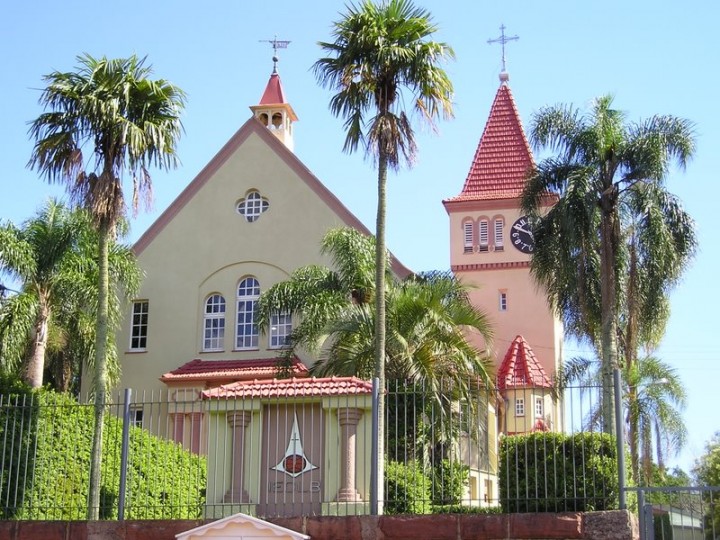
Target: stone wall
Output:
[(616, 525)]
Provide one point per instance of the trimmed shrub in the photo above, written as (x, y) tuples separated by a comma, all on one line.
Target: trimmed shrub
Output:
[(164, 481), (407, 489), (554, 472)]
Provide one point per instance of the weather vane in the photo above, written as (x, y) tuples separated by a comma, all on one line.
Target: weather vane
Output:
[(502, 40), (276, 44)]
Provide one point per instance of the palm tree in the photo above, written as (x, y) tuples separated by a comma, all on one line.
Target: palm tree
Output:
[(653, 398), (429, 318), (380, 53), (601, 162), (104, 120), (38, 255), (45, 330)]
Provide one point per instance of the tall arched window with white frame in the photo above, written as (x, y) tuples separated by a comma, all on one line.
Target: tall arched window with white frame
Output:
[(214, 323), (248, 294)]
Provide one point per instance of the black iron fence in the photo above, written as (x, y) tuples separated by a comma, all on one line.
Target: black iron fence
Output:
[(287, 448)]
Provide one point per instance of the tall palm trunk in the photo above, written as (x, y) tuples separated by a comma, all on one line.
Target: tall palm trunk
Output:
[(33, 373), (380, 258), (100, 375), (608, 231)]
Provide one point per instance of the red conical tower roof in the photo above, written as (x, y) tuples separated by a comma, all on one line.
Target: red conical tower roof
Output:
[(520, 368), (503, 156), (274, 96)]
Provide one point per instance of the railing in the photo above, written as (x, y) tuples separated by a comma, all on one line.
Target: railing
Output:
[(188, 455)]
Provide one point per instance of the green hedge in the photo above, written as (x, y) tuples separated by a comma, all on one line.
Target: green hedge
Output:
[(407, 489), (554, 472), (51, 443)]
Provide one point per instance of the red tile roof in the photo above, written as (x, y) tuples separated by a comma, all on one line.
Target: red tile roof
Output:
[(503, 156), (304, 387), (232, 370), (274, 94), (520, 368)]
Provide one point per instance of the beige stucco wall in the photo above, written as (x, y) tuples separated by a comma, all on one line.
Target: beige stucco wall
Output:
[(207, 247)]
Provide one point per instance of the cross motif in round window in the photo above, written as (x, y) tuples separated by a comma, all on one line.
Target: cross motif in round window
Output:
[(252, 205)]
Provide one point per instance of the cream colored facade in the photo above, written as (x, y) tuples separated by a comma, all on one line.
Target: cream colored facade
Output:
[(202, 246)]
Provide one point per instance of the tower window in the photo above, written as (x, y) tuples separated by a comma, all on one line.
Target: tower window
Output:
[(484, 237), (520, 407), (502, 301), (498, 224), (539, 407), (468, 235)]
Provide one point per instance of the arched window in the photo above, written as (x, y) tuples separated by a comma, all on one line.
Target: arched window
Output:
[(247, 297), (498, 225), (468, 233), (214, 322), (483, 236)]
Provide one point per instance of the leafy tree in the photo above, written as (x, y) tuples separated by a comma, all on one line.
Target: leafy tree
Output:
[(602, 163), (104, 120), (382, 56)]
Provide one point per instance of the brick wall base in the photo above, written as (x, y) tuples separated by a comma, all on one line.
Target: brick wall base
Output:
[(616, 525)]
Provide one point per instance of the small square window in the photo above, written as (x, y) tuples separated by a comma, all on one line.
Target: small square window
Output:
[(136, 417)]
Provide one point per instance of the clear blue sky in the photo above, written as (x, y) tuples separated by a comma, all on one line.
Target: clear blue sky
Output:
[(654, 56)]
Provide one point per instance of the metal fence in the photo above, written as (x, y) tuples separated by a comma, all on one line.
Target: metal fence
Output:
[(291, 449)]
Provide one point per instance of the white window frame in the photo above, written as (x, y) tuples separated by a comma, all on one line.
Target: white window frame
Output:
[(483, 235), (246, 330), (502, 301), (252, 206), (468, 232), (520, 406), (539, 407), (136, 416), (139, 325), (498, 225), (214, 323), (280, 328)]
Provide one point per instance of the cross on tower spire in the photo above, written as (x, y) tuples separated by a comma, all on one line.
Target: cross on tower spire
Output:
[(502, 40), (276, 44)]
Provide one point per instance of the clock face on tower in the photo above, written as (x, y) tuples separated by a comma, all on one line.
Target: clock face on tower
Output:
[(521, 235)]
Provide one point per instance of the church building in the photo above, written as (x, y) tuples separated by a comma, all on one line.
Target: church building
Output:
[(252, 216)]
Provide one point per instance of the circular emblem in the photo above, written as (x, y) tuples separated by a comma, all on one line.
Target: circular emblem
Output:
[(294, 464)]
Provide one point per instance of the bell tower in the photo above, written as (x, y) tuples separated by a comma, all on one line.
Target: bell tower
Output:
[(491, 242), (274, 111)]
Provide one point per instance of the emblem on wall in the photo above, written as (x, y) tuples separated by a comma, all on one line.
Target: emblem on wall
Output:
[(295, 462)]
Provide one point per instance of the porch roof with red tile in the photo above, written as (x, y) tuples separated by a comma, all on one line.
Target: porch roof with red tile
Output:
[(233, 370), (295, 388)]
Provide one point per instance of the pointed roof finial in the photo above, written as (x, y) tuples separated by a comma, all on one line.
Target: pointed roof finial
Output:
[(276, 44), (502, 40)]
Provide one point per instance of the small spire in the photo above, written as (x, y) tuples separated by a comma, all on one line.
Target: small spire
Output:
[(276, 44), (502, 40)]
